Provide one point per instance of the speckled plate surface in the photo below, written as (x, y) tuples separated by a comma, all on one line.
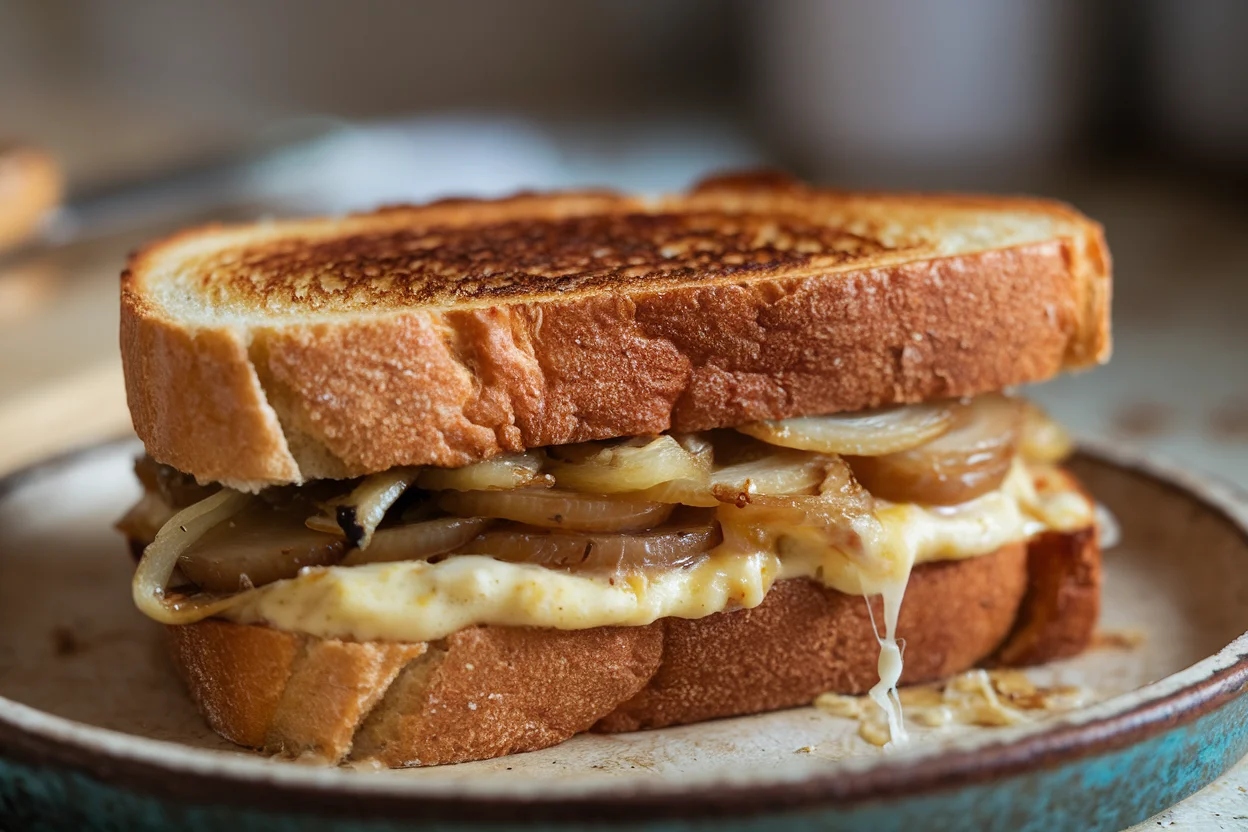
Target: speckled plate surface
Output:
[(96, 734)]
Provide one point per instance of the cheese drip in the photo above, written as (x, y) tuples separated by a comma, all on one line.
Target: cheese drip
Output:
[(884, 692)]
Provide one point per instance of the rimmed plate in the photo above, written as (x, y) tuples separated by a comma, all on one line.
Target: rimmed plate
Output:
[(96, 734)]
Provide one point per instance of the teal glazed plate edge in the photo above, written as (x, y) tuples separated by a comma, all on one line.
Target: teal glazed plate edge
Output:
[(1106, 767)]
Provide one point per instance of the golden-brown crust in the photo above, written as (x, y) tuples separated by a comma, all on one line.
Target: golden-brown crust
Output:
[(236, 675), (492, 691), (480, 693), (1063, 599), (488, 691), (193, 394), (30, 187), (805, 639), (526, 258), (332, 686), (448, 333)]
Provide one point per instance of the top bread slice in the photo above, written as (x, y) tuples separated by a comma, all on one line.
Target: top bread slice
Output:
[(442, 334)]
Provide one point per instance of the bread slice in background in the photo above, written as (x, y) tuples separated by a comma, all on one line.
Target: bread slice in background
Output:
[(488, 691), (30, 187), (443, 334)]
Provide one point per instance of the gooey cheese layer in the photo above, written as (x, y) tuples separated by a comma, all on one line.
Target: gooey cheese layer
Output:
[(419, 601)]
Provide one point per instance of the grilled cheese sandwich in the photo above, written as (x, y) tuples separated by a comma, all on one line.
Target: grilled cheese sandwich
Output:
[(494, 449)]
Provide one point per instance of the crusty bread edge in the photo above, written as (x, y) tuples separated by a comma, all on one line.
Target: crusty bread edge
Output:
[(197, 403), (489, 691)]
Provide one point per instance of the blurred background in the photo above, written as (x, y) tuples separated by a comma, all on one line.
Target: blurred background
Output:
[(146, 115)]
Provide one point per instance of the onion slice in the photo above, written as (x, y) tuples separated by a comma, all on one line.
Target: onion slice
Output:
[(418, 541), (838, 496), (864, 433), (161, 556), (777, 471), (359, 513), (556, 509), (632, 465), (1043, 440), (970, 460), (842, 514), (665, 548), (498, 473), (261, 544)]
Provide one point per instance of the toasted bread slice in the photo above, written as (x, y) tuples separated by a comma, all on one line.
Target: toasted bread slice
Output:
[(1063, 600), (443, 334), (489, 691), (30, 187)]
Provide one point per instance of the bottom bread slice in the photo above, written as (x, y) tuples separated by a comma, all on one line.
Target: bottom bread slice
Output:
[(488, 691)]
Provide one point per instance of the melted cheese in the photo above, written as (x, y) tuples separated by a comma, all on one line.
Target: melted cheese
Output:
[(418, 601)]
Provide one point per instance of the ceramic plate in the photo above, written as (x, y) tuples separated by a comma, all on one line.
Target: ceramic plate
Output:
[(95, 732)]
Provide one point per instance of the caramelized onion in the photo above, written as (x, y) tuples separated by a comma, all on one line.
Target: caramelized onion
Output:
[(765, 470), (161, 556), (970, 460), (177, 489), (418, 541), (325, 524), (632, 465), (841, 516), (779, 472), (257, 546), (499, 473), (359, 513), (665, 548), (556, 509), (839, 498), (684, 492), (866, 433), (1043, 440)]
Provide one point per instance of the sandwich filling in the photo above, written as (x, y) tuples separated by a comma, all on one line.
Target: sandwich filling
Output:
[(614, 533)]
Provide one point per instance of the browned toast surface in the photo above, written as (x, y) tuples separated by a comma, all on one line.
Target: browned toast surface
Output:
[(531, 247), (530, 259), (447, 333)]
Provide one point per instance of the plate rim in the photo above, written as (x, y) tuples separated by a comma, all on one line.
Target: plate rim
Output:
[(169, 770)]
